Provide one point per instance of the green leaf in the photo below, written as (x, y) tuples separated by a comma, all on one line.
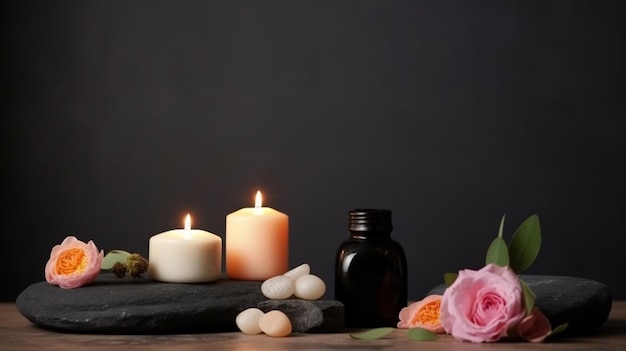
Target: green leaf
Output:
[(501, 230), (114, 256), (449, 278), (498, 253), (559, 329), (525, 244), (372, 334), (421, 334), (529, 297)]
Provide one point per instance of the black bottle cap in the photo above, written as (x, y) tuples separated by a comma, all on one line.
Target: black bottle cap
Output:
[(370, 220)]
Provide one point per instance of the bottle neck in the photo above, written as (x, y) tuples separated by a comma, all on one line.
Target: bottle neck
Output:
[(370, 235)]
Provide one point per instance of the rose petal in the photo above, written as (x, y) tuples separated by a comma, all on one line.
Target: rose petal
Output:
[(405, 315), (535, 327)]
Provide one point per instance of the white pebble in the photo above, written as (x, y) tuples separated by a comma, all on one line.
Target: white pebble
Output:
[(275, 323), (298, 272), (310, 287), (248, 321), (278, 288)]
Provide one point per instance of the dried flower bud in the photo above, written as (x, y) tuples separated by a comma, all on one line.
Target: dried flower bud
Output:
[(137, 265), (119, 269)]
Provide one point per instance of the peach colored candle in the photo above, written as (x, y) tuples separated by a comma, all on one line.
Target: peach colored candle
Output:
[(257, 242), (185, 255)]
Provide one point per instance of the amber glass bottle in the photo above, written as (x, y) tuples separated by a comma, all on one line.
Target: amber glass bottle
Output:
[(370, 271)]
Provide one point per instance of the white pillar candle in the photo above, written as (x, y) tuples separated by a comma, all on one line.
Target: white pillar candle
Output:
[(257, 242), (185, 255)]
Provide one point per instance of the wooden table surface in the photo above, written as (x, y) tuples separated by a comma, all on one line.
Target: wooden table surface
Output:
[(17, 333)]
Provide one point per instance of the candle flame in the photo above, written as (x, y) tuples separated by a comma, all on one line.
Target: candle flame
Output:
[(188, 222), (258, 201)]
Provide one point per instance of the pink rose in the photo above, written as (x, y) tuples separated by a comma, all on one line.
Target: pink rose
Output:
[(535, 327), (483, 305), (423, 314), (73, 263)]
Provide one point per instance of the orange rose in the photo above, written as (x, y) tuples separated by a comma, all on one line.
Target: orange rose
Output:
[(423, 314), (73, 263)]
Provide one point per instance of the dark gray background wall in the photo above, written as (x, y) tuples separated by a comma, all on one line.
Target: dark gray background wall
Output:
[(120, 117)]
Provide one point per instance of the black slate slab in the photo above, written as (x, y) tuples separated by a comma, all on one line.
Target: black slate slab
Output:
[(139, 306), (584, 304)]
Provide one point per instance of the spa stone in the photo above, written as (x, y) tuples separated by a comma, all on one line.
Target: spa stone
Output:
[(320, 316), (111, 305)]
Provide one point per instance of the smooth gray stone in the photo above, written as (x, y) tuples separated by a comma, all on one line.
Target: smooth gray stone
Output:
[(584, 304), (111, 305), (320, 316)]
